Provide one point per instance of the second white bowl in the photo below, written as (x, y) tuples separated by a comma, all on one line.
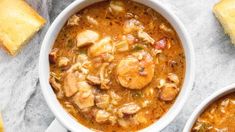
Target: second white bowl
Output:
[(200, 109)]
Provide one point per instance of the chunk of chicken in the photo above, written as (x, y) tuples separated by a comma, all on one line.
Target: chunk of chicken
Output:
[(92, 20), (116, 6), (132, 25), (165, 28), (136, 71), (174, 78), (63, 62), (140, 118), (123, 123), (128, 109), (82, 58), (87, 37), (78, 66), (104, 76), (93, 80), (115, 97), (122, 46), (103, 46), (130, 38), (168, 92), (74, 20), (102, 100), (84, 97), (102, 116), (113, 120), (145, 37), (57, 87), (70, 84)]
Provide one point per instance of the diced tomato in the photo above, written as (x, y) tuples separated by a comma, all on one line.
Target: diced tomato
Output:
[(161, 44)]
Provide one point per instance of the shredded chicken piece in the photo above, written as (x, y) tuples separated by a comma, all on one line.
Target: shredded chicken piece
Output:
[(129, 109), (103, 46), (93, 80), (122, 46), (57, 87), (115, 98), (87, 37), (102, 100), (78, 66), (107, 57), (82, 58), (74, 20), (113, 120), (145, 37), (104, 76), (84, 97), (132, 25), (116, 6), (63, 62), (165, 28), (54, 84), (102, 116), (92, 20), (130, 39), (123, 123)]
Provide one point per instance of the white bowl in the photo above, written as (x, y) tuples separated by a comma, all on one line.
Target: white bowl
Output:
[(200, 109), (66, 119)]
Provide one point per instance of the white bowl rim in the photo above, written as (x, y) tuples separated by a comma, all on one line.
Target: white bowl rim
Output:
[(64, 117), (209, 100)]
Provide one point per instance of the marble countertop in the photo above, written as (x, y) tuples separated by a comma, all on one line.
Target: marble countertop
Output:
[(24, 108)]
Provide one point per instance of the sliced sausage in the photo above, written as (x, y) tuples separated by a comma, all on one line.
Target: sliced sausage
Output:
[(168, 92), (128, 109)]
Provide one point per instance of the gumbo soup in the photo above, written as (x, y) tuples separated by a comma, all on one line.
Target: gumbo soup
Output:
[(218, 117), (117, 66)]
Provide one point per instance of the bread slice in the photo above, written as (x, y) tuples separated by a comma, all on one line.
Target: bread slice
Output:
[(1, 124), (225, 12), (18, 23)]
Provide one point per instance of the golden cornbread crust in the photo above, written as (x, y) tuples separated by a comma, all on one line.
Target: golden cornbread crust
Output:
[(225, 12), (18, 23), (1, 124)]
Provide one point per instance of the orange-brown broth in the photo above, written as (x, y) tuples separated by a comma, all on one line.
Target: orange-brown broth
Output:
[(220, 115), (110, 25)]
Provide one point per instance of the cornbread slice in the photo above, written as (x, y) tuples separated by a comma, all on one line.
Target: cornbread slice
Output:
[(225, 12), (1, 124), (18, 23)]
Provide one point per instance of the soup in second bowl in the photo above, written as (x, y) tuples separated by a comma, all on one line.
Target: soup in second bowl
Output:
[(218, 117), (117, 66)]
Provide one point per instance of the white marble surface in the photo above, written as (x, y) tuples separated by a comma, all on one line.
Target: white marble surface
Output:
[(23, 106)]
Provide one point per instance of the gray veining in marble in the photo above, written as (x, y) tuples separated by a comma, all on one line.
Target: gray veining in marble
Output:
[(21, 101)]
